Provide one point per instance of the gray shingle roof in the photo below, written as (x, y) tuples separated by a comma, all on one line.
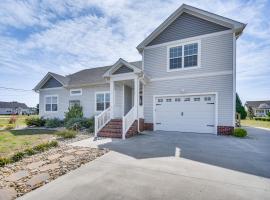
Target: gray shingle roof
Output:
[(256, 104), (12, 105), (88, 76)]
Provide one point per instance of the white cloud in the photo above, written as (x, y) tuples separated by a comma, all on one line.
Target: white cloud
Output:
[(69, 39)]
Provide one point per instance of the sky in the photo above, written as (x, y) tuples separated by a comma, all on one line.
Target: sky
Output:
[(67, 36)]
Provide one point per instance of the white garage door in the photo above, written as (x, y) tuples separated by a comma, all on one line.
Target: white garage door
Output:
[(185, 113)]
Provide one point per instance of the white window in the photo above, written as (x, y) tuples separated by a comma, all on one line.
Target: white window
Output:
[(51, 103), (102, 101), (184, 56), (73, 103), (75, 92)]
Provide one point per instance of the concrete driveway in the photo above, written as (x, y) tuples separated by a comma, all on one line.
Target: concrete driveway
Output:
[(170, 165)]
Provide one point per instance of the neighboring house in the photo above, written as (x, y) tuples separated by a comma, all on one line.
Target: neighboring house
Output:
[(9, 108), (260, 108), (185, 81)]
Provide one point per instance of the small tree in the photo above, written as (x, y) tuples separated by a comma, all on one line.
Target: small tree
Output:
[(240, 108), (75, 111), (250, 113), (268, 114)]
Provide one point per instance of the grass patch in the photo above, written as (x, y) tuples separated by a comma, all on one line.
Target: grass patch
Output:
[(67, 134), (12, 141), (255, 123)]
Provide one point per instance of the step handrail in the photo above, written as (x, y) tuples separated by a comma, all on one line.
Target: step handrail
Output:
[(102, 119), (127, 121)]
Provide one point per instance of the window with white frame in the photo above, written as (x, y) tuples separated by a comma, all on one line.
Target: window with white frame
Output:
[(51, 103), (75, 92), (184, 56), (74, 102), (102, 101)]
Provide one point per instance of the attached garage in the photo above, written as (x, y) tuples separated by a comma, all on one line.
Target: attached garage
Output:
[(185, 113)]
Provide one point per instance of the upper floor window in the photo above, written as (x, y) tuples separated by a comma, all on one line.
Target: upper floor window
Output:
[(74, 102), (51, 103), (75, 92), (102, 101), (183, 56)]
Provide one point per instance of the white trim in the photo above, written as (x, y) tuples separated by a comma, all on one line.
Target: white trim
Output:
[(234, 79), (188, 94), (125, 76), (123, 100), (220, 73), (51, 95), (143, 60), (182, 44), (101, 92), (189, 39), (77, 94), (55, 88)]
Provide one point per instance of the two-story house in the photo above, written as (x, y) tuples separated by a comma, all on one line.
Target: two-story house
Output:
[(185, 81)]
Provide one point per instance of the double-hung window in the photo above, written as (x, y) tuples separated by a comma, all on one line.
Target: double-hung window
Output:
[(51, 103), (102, 101), (183, 56), (74, 102)]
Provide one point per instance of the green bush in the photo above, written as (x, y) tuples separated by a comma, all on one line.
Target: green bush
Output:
[(239, 132), (75, 111), (268, 114), (53, 123), (262, 118), (35, 121), (29, 152), (79, 123), (67, 134), (4, 161), (9, 126), (53, 143), (17, 156)]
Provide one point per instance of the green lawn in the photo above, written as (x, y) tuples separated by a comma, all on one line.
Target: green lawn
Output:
[(15, 140), (255, 123), (19, 122)]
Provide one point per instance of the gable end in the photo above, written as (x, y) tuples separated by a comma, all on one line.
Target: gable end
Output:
[(51, 83), (123, 69), (186, 26)]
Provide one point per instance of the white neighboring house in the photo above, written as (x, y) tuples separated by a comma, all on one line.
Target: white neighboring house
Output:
[(14, 107), (185, 81), (260, 108)]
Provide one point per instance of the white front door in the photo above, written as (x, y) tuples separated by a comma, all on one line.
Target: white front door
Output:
[(185, 113)]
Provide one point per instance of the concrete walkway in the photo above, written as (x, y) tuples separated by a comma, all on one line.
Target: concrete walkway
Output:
[(170, 165)]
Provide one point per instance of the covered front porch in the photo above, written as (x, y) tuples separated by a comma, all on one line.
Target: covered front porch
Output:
[(121, 118)]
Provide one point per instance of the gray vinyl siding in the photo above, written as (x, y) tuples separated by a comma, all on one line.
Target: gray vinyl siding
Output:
[(216, 55), (186, 26), (51, 83), (122, 70), (87, 100), (223, 85)]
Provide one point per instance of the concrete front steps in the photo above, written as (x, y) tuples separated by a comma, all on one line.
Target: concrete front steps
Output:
[(114, 129)]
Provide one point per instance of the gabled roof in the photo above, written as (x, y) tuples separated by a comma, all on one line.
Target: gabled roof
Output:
[(122, 62), (62, 79), (258, 104), (83, 77), (236, 26), (12, 105)]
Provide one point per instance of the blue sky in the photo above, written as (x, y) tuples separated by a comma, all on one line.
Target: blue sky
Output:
[(67, 36)]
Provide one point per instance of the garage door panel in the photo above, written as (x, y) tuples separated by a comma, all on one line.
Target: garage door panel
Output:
[(194, 115)]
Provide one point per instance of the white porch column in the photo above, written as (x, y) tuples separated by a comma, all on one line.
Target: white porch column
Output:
[(136, 96), (112, 98)]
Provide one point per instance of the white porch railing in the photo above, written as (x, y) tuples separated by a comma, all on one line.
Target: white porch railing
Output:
[(127, 121), (102, 119)]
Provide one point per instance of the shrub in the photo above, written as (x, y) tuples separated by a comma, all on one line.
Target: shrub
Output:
[(17, 156), (268, 114), (53, 123), (75, 111), (239, 132), (262, 118), (9, 126), (35, 121), (4, 161), (12, 119), (67, 134), (53, 143), (29, 152), (78, 123)]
